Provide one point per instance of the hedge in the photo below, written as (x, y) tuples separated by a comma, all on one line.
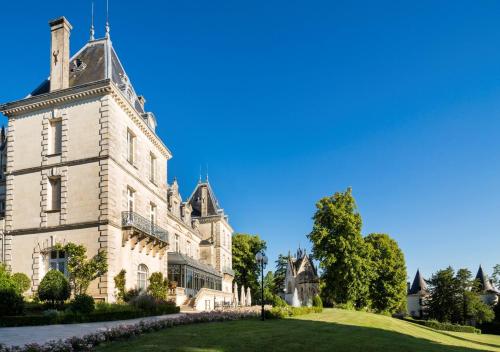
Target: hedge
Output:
[(433, 324), (288, 311), (71, 317)]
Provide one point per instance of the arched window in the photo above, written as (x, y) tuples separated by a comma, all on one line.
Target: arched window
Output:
[(142, 277), (289, 288)]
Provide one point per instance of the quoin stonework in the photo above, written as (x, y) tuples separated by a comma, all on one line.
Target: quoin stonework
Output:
[(81, 162)]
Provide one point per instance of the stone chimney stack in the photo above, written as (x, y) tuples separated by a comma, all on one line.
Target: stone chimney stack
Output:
[(59, 53), (204, 201)]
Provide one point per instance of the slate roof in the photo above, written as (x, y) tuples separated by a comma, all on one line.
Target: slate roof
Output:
[(96, 61), (419, 285), (296, 262), (485, 283), (213, 207)]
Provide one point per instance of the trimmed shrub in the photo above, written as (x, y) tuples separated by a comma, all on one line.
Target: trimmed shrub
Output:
[(278, 301), (83, 304), (144, 302), (158, 286), (120, 285), (288, 311), (131, 294), (21, 281), (434, 324), (54, 288), (317, 302), (11, 302)]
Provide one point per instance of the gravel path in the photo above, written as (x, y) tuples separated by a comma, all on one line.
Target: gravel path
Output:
[(19, 336)]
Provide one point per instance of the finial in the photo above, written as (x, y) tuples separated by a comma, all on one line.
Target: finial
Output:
[(199, 179), (207, 173), (92, 31), (107, 18)]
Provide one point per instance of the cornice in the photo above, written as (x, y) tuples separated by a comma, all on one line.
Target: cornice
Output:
[(124, 103), (54, 98), (103, 87)]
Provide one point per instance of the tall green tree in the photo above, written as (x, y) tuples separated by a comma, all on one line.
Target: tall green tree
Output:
[(496, 276), (280, 274), (455, 298), (246, 270), (387, 288), (443, 289), (340, 249), (82, 271)]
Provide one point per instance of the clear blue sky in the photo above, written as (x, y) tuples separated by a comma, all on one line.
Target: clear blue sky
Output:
[(290, 101)]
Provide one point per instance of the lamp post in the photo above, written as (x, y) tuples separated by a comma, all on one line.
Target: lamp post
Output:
[(261, 260)]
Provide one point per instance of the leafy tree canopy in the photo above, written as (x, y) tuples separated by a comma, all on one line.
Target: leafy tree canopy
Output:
[(387, 289), (82, 271), (340, 248), (454, 298), (246, 270), (280, 274)]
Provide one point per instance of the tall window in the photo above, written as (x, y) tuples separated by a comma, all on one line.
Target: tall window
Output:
[(142, 277), (130, 147), (130, 199), (54, 193), (58, 261), (55, 136), (176, 243), (152, 168), (152, 216)]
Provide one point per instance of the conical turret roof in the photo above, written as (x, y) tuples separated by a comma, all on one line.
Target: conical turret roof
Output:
[(418, 285)]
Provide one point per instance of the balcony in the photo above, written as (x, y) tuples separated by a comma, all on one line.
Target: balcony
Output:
[(141, 231)]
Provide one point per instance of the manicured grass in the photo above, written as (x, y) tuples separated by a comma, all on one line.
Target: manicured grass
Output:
[(332, 330)]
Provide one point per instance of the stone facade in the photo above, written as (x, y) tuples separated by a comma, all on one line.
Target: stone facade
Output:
[(301, 280), (85, 165)]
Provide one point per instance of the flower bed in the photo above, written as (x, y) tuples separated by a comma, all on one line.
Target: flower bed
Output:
[(88, 342)]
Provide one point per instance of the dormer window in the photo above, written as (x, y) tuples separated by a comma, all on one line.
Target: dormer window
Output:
[(78, 65)]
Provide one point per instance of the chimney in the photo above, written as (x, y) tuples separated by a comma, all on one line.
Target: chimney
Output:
[(59, 53), (204, 201)]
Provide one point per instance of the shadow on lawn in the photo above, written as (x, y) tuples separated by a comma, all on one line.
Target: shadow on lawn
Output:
[(279, 335), (469, 340)]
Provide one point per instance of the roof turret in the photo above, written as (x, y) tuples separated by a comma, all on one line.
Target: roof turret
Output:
[(418, 285)]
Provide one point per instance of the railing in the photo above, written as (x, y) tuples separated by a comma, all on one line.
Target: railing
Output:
[(132, 219), (227, 270)]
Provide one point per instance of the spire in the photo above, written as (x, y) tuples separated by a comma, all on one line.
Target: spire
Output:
[(419, 286), (107, 19), (92, 31)]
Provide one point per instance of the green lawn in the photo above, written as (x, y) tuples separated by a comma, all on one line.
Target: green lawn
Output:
[(332, 330)]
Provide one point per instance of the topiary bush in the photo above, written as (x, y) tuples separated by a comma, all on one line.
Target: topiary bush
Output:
[(83, 304), (144, 302), (11, 302), (120, 285), (278, 301), (21, 281), (131, 294), (317, 302), (158, 286), (54, 288)]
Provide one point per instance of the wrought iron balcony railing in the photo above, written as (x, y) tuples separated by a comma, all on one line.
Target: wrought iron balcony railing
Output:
[(132, 219)]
